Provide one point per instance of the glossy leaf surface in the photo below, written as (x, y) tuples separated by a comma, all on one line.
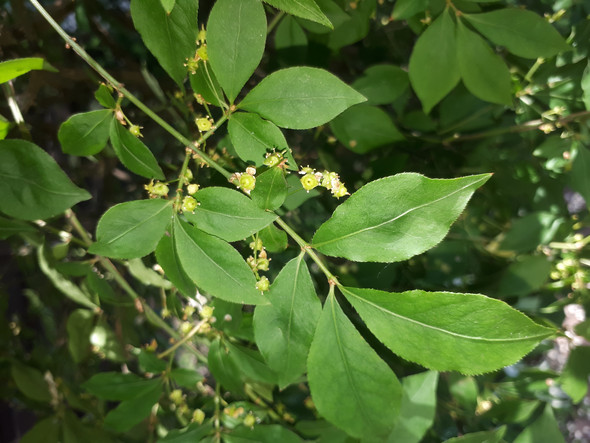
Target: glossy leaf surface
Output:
[(215, 266), (32, 184), (307, 9), (284, 329), (132, 229), (170, 262), (10, 69), (133, 153), (253, 137), (170, 36), (350, 385), (433, 68), (483, 72), (236, 36), (228, 214), (418, 408), (395, 218), (300, 97), (382, 84), (363, 128), (522, 32), (85, 134), (271, 189), (445, 331)]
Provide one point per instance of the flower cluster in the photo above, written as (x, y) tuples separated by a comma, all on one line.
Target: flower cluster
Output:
[(156, 190), (259, 262), (329, 180)]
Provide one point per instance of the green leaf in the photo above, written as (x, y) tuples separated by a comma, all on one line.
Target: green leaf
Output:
[(468, 333), (355, 28), (168, 5), (74, 431), (223, 368), (228, 214), (236, 36), (133, 153), (30, 382), (522, 32), (307, 9), (168, 259), (404, 9), (116, 386), (284, 329), (433, 68), (5, 126), (132, 229), (350, 385), (131, 412), (290, 37), (495, 436), (300, 97), (187, 378), (145, 275), (363, 128), (103, 95), (579, 177), (271, 189), (204, 83), (86, 133), (544, 428), (14, 68), (32, 185), (262, 434), (215, 266), (382, 84), (170, 36), (149, 362), (106, 342), (65, 286), (46, 430), (191, 434), (418, 408), (251, 364), (253, 137), (524, 276), (100, 287), (10, 227), (395, 218), (586, 87), (574, 378), (483, 72), (79, 326), (273, 238)]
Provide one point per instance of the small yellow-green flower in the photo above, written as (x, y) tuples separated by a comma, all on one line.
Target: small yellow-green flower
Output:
[(309, 181), (204, 124)]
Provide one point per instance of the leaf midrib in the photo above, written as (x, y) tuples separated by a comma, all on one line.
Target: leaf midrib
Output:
[(144, 221), (368, 228), (441, 330)]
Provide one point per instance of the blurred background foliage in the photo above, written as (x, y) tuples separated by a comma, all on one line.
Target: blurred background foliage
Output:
[(523, 238)]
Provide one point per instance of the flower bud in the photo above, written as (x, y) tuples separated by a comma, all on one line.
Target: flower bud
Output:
[(198, 416), (207, 312), (263, 284), (249, 420), (189, 204), (192, 188), (135, 130), (263, 264)]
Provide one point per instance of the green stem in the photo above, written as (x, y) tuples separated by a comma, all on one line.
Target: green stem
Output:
[(308, 250), (536, 65), (182, 341), (117, 85), (275, 21)]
